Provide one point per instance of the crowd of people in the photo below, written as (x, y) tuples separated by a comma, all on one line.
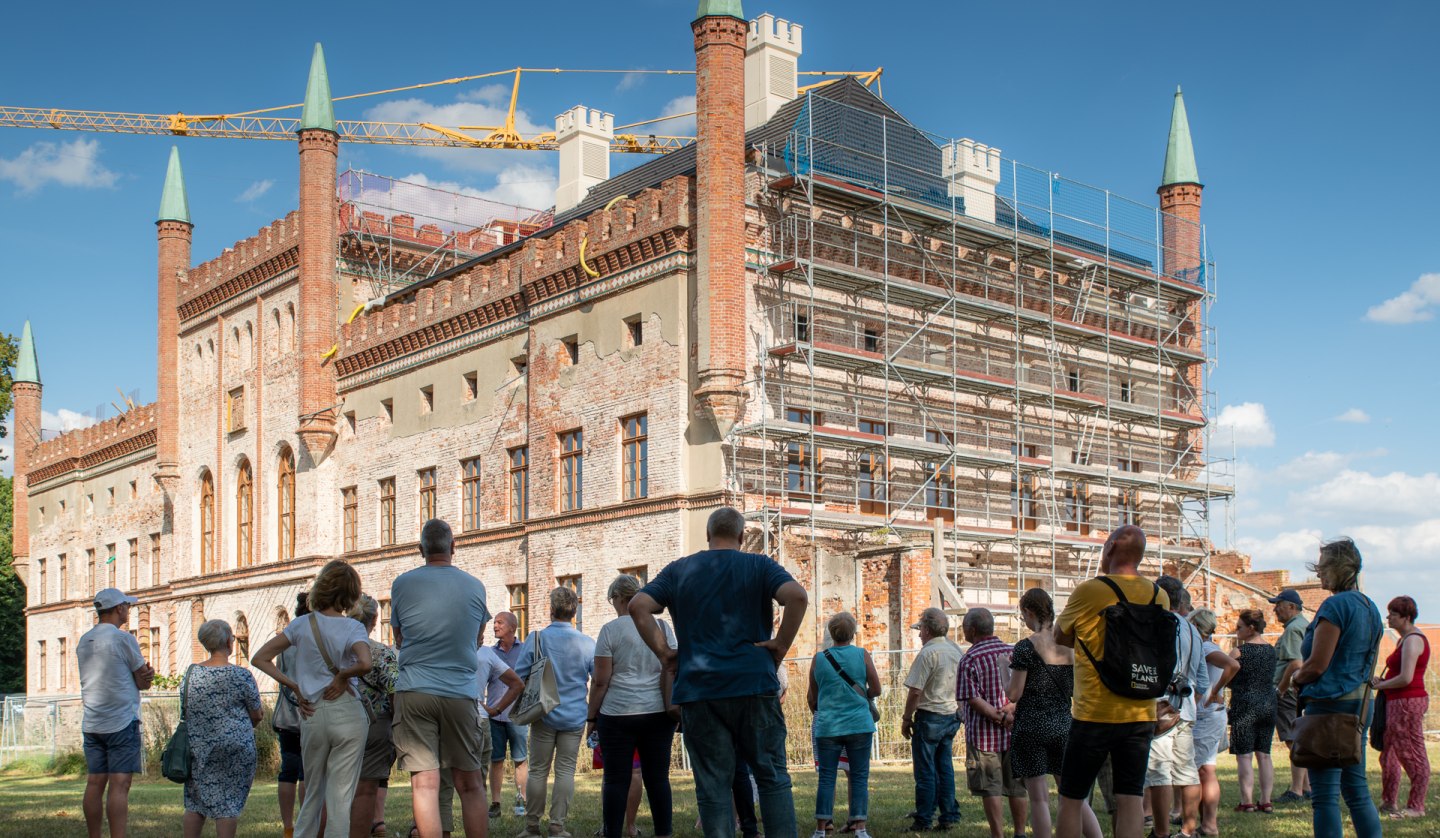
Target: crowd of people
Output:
[(1124, 689)]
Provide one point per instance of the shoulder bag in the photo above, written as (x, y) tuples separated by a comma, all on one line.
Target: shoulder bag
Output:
[(286, 716), (542, 693), (859, 690), (1335, 740), (175, 761), (330, 665)]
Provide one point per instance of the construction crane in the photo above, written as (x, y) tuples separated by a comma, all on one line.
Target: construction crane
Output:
[(268, 124)]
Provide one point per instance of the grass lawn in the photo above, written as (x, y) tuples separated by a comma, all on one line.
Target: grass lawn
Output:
[(50, 806)]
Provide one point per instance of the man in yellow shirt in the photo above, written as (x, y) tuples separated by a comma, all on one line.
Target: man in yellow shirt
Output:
[(1105, 724)]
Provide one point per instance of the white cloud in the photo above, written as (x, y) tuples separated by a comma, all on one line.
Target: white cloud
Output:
[(1415, 305), (486, 106), (1290, 549), (1357, 496), (630, 81), (1312, 466), (255, 190), (680, 126), (64, 420), (1354, 416), (7, 458), (1248, 423), (73, 163), (525, 186)]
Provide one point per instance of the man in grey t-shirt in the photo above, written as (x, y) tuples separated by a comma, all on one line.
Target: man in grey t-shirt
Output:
[(112, 674), (1290, 611)]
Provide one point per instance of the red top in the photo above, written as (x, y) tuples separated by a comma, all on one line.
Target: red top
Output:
[(1416, 689)]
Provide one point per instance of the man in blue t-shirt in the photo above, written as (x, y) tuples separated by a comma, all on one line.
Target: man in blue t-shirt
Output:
[(438, 616), (725, 667)]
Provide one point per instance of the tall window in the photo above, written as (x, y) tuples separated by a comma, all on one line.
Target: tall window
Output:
[(387, 634), (207, 524), (572, 470), (801, 466), (92, 569), (940, 481), (641, 572), (387, 512), (520, 607), (155, 558), (520, 483), (1024, 511), (427, 495), (470, 494), (64, 656), (132, 550), (1129, 507), (634, 456), (1076, 509), (40, 568), (110, 561), (244, 516), (41, 656), (242, 640), (350, 500), (154, 645), (64, 578), (873, 478), (576, 584), (285, 497)]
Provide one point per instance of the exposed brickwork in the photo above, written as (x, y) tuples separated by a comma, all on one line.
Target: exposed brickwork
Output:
[(241, 267), (720, 212), (173, 261), (319, 304), (1181, 237), (25, 427)]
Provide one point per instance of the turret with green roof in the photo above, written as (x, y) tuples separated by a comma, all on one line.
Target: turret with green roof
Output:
[(319, 107), (27, 368), (174, 205), (719, 8), (1179, 153)]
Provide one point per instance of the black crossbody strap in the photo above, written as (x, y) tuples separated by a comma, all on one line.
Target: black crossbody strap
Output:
[(845, 676)]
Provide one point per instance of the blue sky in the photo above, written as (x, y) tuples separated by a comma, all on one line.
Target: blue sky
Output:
[(1314, 130)]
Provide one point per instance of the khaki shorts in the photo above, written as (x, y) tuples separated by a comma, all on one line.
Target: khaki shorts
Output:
[(433, 732), (988, 774), (379, 751), (1172, 758), (1285, 713)]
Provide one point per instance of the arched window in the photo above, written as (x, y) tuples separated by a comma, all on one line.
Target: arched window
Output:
[(285, 498), (207, 524), (248, 347), (244, 514), (275, 334), (242, 639), (288, 342)]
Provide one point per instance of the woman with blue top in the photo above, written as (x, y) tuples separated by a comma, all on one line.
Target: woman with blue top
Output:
[(1339, 653), (843, 681)]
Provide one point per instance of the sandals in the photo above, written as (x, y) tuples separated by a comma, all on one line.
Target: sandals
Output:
[(1407, 813), (377, 830), (1266, 808)]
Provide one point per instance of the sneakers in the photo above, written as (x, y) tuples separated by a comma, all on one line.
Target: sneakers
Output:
[(495, 809), (918, 825), (1290, 797), (519, 806), (861, 833), (819, 833)]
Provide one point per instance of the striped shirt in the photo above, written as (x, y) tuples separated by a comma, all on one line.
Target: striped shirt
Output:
[(983, 675)]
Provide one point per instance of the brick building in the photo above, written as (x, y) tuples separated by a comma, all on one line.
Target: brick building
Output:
[(927, 375)]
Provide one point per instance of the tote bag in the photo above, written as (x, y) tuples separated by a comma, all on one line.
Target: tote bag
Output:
[(175, 761), (541, 693)]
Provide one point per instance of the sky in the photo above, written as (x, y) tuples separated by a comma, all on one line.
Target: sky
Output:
[(1312, 126)]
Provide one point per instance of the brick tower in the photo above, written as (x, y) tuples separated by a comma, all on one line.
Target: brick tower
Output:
[(1183, 258), (26, 428), (720, 32), (319, 149), (173, 230)]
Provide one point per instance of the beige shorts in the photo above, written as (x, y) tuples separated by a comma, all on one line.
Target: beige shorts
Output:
[(1172, 758), (988, 774), (437, 732)]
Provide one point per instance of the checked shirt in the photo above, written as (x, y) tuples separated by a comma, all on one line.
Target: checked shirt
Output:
[(984, 671)]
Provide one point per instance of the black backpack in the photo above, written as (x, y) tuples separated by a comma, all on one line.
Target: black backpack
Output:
[(1140, 654)]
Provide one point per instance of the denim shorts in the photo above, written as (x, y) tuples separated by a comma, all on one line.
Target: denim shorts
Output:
[(114, 753), (511, 735)]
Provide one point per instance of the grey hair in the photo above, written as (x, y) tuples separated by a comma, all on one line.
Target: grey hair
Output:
[(625, 586), (841, 627), (365, 610), (214, 634), (934, 621), (436, 539), (563, 604), (1339, 564), (1204, 621), (981, 620), (725, 522), (1174, 589)]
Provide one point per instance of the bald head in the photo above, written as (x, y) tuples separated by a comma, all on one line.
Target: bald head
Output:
[(1124, 550)]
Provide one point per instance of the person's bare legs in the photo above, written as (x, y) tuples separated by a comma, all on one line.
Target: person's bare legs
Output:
[(226, 827), (1189, 808), (474, 809), (191, 824), (1245, 775), (1039, 790), (362, 808), (632, 802), (1267, 776), (1019, 813), (93, 804), (994, 815), (425, 801), (1299, 779), (497, 780), (1129, 816), (117, 804), (1077, 820), (286, 793), (1209, 799), (379, 814)]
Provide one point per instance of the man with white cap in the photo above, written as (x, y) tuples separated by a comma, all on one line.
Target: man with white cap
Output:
[(930, 722), (112, 674)]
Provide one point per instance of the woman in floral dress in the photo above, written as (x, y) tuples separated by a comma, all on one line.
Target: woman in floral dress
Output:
[(222, 707)]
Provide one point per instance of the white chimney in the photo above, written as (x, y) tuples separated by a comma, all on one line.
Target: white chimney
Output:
[(973, 172), (772, 53), (583, 136)]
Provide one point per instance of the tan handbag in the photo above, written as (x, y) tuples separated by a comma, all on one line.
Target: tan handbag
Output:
[(1335, 740)]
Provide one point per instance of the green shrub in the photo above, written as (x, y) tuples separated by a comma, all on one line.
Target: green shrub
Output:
[(69, 764)]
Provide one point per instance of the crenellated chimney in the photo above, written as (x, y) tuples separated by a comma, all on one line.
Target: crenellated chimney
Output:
[(772, 58), (720, 31), (583, 137), (319, 291), (972, 171), (173, 233)]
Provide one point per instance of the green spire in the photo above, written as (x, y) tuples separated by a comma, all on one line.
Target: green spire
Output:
[(719, 8), (26, 367), (1179, 153), (174, 206), (319, 108)]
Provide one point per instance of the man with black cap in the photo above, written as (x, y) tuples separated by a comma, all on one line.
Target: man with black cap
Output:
[(112, 674), (1289, 610)]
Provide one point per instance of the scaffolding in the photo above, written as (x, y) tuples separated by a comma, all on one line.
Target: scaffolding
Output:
[(945, 335), (395, 232)]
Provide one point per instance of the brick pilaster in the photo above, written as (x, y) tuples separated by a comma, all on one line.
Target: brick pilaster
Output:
[(720, 213), (319, 150), (173, 239)]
